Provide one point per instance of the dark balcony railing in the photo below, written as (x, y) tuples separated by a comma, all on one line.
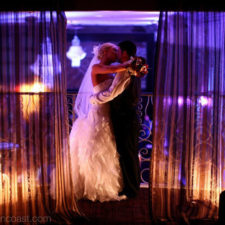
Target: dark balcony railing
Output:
[(145, 112)]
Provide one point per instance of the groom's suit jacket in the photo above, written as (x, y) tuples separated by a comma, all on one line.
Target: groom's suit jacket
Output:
[(123, 95), (126, 130)]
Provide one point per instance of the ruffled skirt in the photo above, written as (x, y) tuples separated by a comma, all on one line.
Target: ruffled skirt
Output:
[(95, 162)]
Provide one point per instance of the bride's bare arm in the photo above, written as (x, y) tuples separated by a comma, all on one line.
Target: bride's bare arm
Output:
[(105, 69)]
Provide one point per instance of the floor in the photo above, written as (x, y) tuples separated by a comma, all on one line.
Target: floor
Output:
[(127, 212)]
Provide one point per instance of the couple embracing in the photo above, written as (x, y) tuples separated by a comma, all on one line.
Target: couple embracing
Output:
[(104, 137)]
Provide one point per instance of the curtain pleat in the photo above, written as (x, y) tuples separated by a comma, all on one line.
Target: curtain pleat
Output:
[(35, 174), (187, 168)]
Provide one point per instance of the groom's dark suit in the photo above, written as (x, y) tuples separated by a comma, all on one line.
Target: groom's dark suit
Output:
[(126, 130)]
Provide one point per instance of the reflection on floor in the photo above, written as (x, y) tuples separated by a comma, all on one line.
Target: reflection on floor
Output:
[(126, 212)]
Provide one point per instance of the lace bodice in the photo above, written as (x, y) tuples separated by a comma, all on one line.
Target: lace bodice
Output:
[(119, 84), (103, 85)]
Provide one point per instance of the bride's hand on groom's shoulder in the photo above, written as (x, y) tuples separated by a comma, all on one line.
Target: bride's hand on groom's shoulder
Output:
[(127, 63), (140, 66)]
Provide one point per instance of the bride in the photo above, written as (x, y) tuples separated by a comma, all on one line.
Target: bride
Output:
[(94, 159)]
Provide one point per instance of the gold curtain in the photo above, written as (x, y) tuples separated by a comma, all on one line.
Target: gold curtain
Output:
[(35, 174)]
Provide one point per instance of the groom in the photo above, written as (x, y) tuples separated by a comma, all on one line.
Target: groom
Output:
[(126, 126), (125, 120)]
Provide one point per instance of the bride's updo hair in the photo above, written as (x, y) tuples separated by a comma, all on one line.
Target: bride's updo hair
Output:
[(104, 47)]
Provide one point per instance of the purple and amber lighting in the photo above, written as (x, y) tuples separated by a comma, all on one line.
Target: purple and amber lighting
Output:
[(205, 101), (180, 101), (111, 18)]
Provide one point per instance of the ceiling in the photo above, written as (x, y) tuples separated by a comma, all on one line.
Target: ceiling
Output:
[(112, 18)]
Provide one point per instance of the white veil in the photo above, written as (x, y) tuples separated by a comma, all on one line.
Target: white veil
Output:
[(82, 104)]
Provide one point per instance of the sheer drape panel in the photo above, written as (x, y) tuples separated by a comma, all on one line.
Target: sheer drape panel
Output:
[(35, 175), (187, 172)]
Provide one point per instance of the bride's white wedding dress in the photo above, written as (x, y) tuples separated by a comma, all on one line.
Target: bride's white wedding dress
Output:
[(94, 159)]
